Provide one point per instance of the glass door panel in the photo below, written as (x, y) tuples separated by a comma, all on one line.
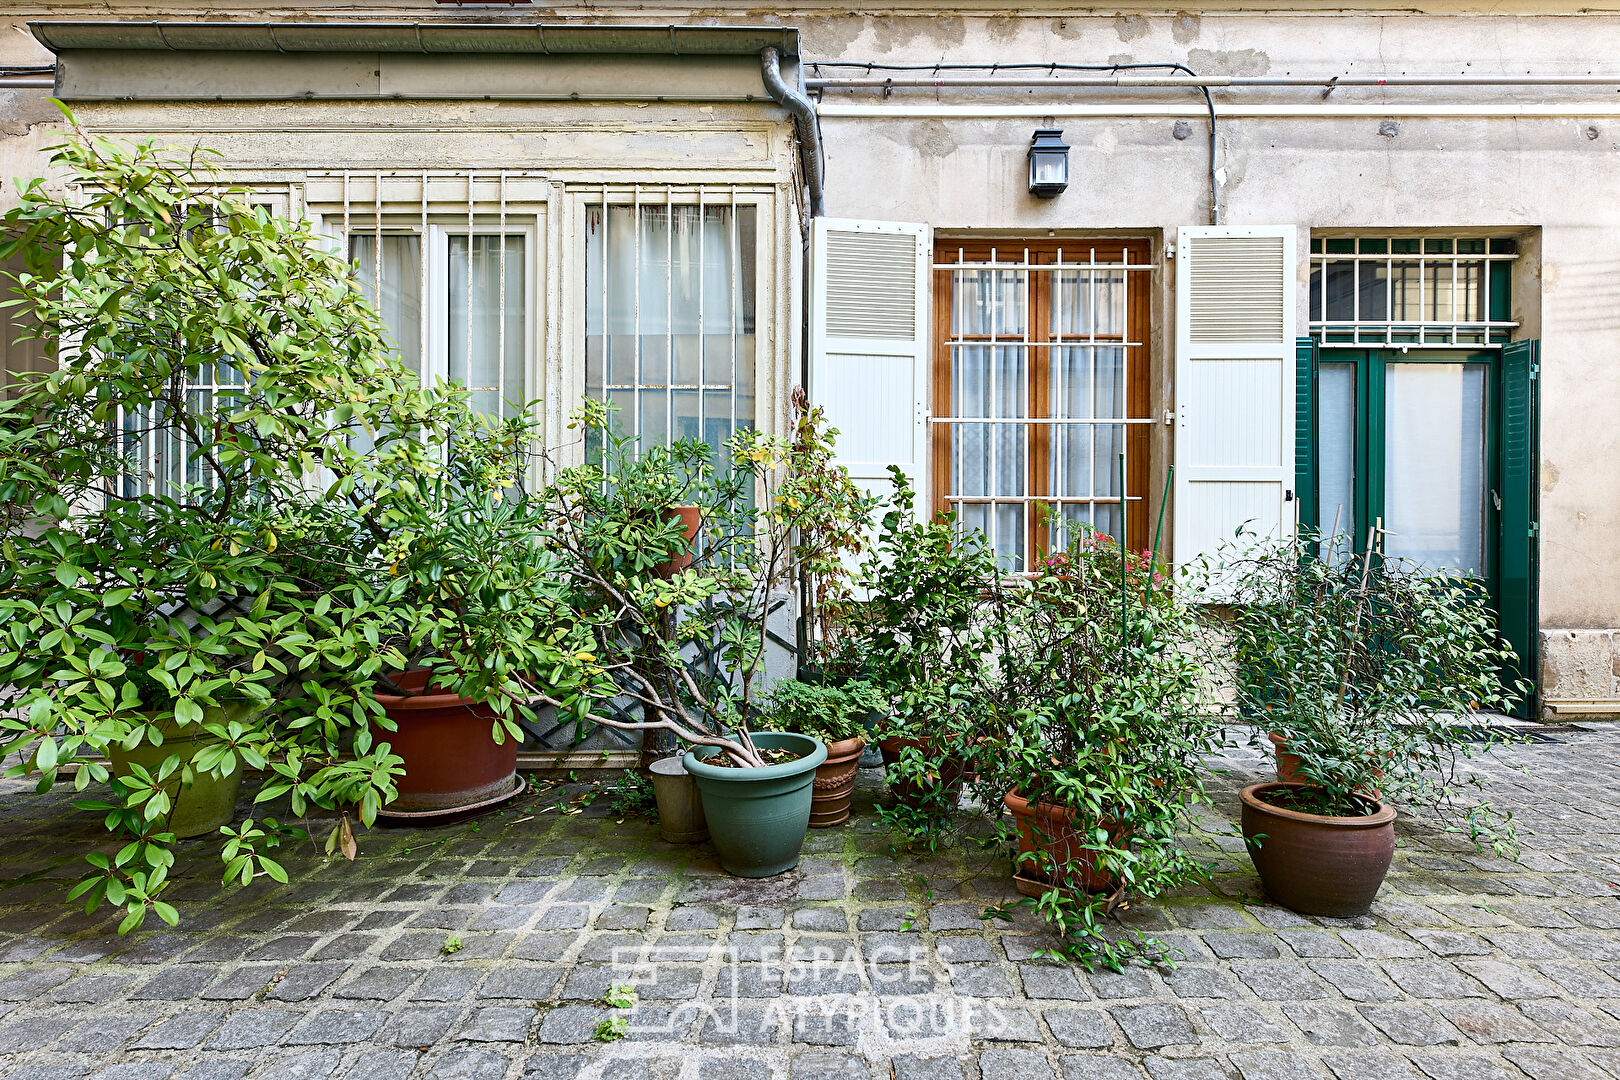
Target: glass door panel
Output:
[(1435, 475), (1336, 456)]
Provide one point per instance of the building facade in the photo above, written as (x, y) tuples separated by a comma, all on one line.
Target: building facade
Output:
[(1351, 268)]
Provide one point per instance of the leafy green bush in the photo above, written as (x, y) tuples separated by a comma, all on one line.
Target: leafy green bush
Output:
[(278, 545), (1372, 669), (831, 712)]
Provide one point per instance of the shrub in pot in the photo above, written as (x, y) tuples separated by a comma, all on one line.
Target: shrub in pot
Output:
[(1368, 669), (686, 652), (836, 715), (1094, 722), (190, 585), (921, 645)]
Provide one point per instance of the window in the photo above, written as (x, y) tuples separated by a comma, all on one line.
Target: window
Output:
[(473, 329), (1040, 390), (670, 315), (1425, 291)]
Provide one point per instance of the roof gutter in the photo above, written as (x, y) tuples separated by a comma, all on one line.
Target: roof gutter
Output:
[(797, 102)]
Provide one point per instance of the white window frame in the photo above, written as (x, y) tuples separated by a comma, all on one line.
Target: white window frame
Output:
[(579, 199)]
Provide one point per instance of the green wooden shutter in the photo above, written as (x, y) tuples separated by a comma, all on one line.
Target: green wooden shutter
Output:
[(1519, 469), (1305, 430)]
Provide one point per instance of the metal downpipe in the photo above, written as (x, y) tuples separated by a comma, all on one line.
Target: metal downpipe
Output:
[(795, 101)]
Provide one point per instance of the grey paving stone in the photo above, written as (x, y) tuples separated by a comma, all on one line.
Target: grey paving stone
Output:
[(382, 1065), (1116, 985), (825, 919), (1356, 981), (179, 983), (232, 1069), (821, 1066), (1014, 1065), (1315, 944), (182, 1031), (1329, 1025), (981, 980), (1272, 1065), (379, 984), (623, 917), (497, 1024), (743, 1024), (569, 1024), (1571, 1023), (1079, 1028), (825, 1026), (253, 1028), (1369, 1065), (1275, 980), (303, 1064), (549, 1065), (468, 1065), (528, 982), (1162, 1068), (1488, 1022), (1201, 982), (1252, 945), (446, 984), (1380, 945), (733, 1069), (1241, 1024), (419, 1026), (1506, 980), (34, 982), (1051, 981), (918, 1067), (135, 1070), (1410, 1025), (336, 1027), (1542, 1063), (1093, 1067), (1149, 1027), (960, 949), (760, 918), (1461, 1067), (1431, 979), (304, 981)]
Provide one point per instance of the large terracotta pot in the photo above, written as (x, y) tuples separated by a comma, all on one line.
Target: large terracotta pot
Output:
[(835, 783), (1317, 865), (910, 793), (690, 517), (451, 759), (1050, 829), (758, 817)]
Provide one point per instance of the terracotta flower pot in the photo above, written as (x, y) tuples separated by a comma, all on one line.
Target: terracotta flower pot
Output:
[(835, 783), (1287, 763), (1050, 829), (452, 761), (691, 518), (909, 792), (1317, 865)]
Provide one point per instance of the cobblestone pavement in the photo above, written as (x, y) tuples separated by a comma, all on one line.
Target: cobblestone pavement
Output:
[(1469, 967)]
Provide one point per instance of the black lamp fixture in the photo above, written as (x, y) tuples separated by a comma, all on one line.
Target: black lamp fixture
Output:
[(1048, 163)]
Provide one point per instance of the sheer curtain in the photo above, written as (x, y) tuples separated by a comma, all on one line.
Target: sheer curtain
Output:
[(669, 318), (1434, 465), (486, 332)]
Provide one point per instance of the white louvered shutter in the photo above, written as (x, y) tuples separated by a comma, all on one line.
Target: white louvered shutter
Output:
[(869, 345), (1234, 448)]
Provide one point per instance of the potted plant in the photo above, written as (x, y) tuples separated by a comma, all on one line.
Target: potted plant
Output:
[(1094, 724), (196, 584), (482, 628), (835, 714), (1365, 671), (687, 651), (165, 584), (916, 634)]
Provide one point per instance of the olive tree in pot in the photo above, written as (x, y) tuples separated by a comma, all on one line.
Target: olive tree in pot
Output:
[(1365, 670), (1095, 719), (188, 582), (686, 651)]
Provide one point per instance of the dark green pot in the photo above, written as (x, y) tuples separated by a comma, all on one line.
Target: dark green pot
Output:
[(758, 817), (209, 801)]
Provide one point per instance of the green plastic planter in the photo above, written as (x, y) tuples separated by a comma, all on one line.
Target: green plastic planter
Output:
[(758, 817), (209, 801)]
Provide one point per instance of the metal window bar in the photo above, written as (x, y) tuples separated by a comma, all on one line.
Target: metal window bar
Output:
[(642, 204), (1429, 329)]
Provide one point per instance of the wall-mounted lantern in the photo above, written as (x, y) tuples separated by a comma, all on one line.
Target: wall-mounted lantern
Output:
[(1048, 163)]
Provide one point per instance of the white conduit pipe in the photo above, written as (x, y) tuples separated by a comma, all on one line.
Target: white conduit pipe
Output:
[(1471, 110), (1312, 81)]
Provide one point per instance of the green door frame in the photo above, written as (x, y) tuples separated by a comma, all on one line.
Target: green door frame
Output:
[(1510, 454)]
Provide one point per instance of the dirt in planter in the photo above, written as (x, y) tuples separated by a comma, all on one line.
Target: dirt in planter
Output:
[(770, 757), (1312, 800)]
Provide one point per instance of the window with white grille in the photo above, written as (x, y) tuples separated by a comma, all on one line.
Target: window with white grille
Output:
[(1416, 291), (1040, 391), (670, 284)]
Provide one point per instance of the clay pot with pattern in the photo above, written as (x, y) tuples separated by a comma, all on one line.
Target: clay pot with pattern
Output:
[(952, 771), (835, 783)]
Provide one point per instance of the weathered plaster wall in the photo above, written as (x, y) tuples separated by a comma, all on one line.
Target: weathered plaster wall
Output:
[(1553, 181)]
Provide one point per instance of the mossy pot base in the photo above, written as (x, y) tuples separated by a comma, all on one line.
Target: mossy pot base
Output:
[(758, 817)]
